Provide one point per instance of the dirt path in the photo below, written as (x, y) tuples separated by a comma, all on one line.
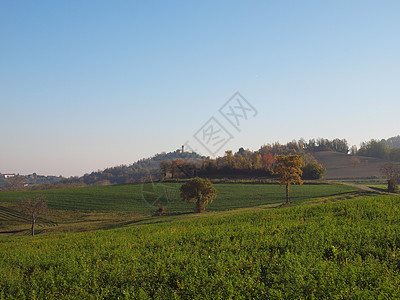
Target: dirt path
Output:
[(363, 187), (369, 189)]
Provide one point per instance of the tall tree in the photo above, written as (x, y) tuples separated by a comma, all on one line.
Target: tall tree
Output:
[(33, 208), (288, 168)]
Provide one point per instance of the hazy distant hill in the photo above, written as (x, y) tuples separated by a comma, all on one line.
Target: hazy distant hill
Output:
[(393, 142), (30, 180), (135, 172)]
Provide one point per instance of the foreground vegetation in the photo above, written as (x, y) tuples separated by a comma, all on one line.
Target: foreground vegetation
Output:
[(348, 249)]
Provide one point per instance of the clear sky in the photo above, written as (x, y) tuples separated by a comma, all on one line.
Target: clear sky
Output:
[(86, 85)]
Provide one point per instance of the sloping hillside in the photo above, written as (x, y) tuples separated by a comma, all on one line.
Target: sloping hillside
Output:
[(340, 165)]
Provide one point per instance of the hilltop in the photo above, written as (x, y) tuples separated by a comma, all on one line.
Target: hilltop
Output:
[(141, 170)]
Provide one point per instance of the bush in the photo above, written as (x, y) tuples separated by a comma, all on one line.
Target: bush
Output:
[(198, 190), (313, 171)]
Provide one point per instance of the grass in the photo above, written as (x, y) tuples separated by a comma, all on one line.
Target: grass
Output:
[(84, 209), (338, 250), (60, 221), (364, 181), (144, 198)]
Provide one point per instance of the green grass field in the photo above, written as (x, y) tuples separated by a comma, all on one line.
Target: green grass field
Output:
[(144, 198), (344, 250), (331, 242)]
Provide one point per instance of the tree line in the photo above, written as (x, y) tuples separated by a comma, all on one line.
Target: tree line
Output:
[(245, 163), (379, 149)]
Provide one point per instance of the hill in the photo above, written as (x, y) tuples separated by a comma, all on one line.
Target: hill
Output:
[(393, 142), (136, 172), (340, 165)]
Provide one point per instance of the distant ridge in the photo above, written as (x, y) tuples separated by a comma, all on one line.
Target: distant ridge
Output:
[(144, 168), (393, 141)]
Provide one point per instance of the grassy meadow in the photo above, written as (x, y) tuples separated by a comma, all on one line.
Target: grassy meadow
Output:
[(339, 250), (332, 242)]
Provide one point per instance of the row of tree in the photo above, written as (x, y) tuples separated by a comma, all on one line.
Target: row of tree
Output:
[(245, 162), (379, 149), (321, 144), (242, 163), (313, 145)]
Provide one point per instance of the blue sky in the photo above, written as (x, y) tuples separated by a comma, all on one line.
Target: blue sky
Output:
[(86, 85)]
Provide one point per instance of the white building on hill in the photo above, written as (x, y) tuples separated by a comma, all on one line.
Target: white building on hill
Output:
[(8, 175)]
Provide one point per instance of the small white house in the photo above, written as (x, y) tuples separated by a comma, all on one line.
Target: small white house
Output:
[(8, 175)]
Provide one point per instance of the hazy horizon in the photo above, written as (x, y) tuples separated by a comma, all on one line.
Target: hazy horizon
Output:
[(86, 86)]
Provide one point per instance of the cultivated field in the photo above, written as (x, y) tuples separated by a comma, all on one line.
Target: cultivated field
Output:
[(144, 198), (340, 165), (83, 209), (347, 249)]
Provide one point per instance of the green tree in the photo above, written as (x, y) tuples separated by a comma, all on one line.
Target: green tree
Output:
[(198, 190), (288, 168), (313, 171), (374, 148)]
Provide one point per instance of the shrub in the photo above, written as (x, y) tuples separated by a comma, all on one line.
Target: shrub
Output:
[(198, 190), (313, 171)]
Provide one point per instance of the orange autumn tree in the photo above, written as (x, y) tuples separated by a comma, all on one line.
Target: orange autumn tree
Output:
[(288, 168)]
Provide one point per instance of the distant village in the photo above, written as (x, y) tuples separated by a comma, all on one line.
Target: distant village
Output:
[(28, 180), (5, 176)]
